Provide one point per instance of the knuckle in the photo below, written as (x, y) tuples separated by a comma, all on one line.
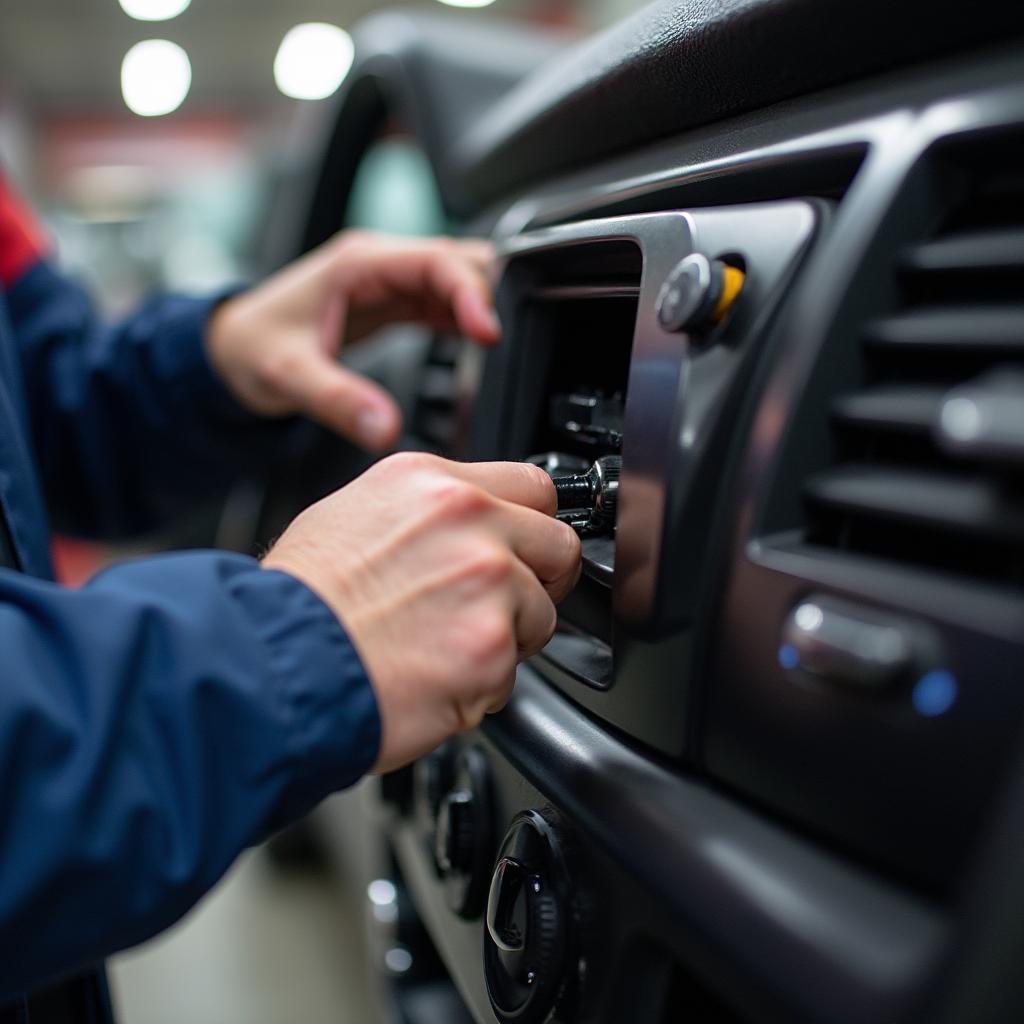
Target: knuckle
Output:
[(406, 463), (451, 498), (491, 645), (279, 367), (489, 564), (495, 564)]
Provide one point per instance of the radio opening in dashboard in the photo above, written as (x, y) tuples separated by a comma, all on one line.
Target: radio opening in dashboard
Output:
[(570, 323)]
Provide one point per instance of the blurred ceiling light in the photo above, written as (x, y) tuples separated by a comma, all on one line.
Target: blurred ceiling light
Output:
[(153, 10), (468, 3), (313, 60), (155, 77)]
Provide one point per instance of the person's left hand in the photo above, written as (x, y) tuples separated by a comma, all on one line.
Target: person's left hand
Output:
[(276, 347)]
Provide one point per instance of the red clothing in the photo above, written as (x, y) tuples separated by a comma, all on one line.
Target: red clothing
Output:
[(22, 240)]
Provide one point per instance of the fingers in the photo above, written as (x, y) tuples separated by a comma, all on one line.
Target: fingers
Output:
[(517, 482), (477, 250), (550, 548), (457, 277), (339, 399), (430, 272), (535, 616), (522, 515), (497, 702), (534, 622)]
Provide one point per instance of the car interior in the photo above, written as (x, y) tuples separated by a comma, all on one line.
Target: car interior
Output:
[(763, 262)]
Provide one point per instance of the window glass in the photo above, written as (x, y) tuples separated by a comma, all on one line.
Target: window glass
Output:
[(395, 191)]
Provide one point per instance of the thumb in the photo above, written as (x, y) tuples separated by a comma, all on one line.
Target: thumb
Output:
[(341, 400)]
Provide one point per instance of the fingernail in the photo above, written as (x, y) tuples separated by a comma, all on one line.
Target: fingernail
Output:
[(492, 319), (373, 427)]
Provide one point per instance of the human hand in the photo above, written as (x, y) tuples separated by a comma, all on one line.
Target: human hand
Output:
[(445, 575), (276, 346)]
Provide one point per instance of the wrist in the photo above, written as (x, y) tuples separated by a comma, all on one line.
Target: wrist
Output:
[(217, 340)]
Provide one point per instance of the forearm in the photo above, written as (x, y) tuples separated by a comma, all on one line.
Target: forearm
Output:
[(153, 725), (129, 422)]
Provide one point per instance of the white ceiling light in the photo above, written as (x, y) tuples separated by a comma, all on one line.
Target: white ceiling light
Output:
[(313, 60), (153, 10), (468, 3), (155, 77)]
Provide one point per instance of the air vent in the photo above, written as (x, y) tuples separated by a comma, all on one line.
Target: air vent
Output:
[(930, 444), (435, 419)]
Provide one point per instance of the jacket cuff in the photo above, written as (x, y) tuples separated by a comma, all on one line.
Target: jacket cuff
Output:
[(185, 359), (326, 695), (196, 384)]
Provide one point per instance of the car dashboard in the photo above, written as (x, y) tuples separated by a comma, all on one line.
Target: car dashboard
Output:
[(768, 768)]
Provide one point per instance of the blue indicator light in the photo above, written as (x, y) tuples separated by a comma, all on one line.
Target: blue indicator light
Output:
[(788, 656), (934, 693)]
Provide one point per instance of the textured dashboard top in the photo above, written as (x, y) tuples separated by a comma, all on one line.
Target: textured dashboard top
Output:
[(675, 65)]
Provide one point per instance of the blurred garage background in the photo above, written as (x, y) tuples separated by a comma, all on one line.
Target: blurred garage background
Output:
[(154, 137)]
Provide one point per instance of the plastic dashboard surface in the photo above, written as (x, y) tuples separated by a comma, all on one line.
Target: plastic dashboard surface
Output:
[(808, 846)]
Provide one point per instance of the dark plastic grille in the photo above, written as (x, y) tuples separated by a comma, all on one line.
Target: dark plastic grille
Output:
[(896, 491), (436, 413)]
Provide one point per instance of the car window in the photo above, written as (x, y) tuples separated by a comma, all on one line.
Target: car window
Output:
[(395, 191)]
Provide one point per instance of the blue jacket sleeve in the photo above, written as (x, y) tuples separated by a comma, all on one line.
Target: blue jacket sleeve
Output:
[(129, 423), (152, 725)]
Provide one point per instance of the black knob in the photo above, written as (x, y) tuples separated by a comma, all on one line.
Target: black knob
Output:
[(463, 836), (455, 833), (432, 778), (527, 939)]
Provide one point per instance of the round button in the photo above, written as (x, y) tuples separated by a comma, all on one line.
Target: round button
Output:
[(685, 292), (697, 293), (526, 939)]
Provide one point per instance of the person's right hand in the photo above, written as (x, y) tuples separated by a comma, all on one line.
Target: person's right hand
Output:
[(445, 575)]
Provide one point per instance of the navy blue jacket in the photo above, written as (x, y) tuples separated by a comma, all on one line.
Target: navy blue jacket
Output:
[(175, 709)]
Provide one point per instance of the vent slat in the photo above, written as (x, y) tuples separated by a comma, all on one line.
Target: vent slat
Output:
[(910, 409), (995, 250), (437, 429), (991, 328), (975, 507), (438, 385), (927, 428), (435, 418)]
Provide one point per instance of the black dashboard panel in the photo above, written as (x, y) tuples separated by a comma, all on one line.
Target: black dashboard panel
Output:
[(560, 291), (675, 66), (674, 881), (854, 493), (769, 768)]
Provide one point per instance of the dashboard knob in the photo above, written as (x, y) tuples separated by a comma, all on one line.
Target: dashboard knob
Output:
[(455, 832), (432, 778), (462, 835), (527, 936), (697, 293)]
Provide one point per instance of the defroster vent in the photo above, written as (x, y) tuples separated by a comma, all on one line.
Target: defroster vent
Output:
[(930, 443)]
